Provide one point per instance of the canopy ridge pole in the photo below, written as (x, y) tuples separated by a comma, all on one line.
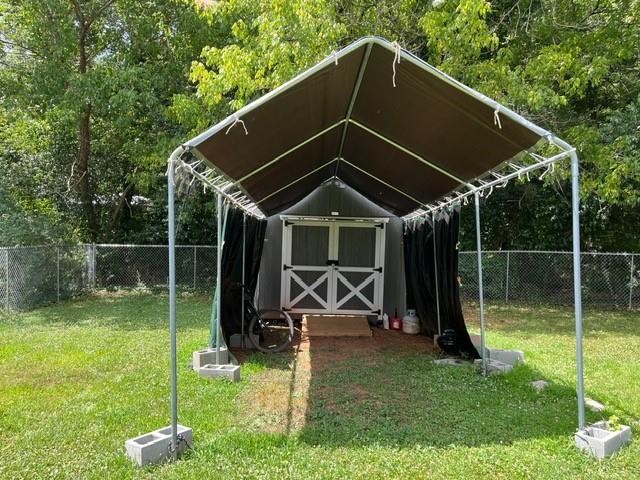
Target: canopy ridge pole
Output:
[(218, 274), (577, 282), (435, 271), (480, 289), (171, 220), (413, 154), (296, 180), (385, 183), (244, 243), (291, 150), (354, 96)]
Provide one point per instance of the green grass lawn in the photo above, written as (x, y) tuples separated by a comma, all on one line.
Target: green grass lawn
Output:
[(78, 379)]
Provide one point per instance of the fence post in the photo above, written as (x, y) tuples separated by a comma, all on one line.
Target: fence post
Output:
[(631, 282), (58, 274), (6, 267), (93, 266), (506, 286), (195, 253)]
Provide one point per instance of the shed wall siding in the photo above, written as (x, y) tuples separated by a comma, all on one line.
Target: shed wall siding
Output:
[(321, 202)]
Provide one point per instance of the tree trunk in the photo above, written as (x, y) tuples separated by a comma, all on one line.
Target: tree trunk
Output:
[(85, 191), (82, 166)]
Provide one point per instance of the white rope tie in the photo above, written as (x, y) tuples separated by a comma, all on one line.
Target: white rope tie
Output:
[(490, 191), (549, 169), (496, 117), (235, 122), (543, 173), (396, 59), (334, 54)]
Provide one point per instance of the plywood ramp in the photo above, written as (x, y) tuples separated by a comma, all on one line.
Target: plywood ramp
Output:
[(336, 326)]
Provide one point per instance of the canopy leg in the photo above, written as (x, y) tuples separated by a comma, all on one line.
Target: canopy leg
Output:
[(244, 242), (577, 283), (172, 301), (480, 290), (218, 275)]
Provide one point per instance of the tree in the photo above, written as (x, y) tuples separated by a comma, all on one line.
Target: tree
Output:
[(570, 66), (97, 76), (96, 94)]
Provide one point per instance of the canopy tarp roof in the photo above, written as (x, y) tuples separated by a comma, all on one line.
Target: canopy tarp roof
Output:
[(401, 146)]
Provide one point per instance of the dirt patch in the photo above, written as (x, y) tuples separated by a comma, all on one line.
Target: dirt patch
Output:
[(278, 398)]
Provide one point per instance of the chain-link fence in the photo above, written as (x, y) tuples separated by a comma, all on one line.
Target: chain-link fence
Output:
[(34, 276), (609, 280)]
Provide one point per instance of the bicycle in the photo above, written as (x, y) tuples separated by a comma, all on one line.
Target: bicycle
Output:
[(270, 330)]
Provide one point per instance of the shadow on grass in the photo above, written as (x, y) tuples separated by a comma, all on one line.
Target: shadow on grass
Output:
[(397, 397)]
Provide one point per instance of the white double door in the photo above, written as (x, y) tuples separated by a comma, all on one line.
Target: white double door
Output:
[(333, 266)]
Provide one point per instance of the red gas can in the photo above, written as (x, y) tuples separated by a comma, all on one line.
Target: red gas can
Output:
[(395, 322)]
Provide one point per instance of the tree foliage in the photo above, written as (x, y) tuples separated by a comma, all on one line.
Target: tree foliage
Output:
[(90, 141), (93, 80)]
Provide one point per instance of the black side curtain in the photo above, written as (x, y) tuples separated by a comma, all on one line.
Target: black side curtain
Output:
[(231, 293), (420, 276)]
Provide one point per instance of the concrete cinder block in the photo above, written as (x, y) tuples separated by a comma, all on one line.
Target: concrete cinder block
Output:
[(494, 367), (451, 361), (230, 372), (207, 356), (153, 447), (593, 405), (236, 340), (510, 357), (601, 442)]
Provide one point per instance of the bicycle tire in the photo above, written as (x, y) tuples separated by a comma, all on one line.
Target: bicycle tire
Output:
[(252, 328)]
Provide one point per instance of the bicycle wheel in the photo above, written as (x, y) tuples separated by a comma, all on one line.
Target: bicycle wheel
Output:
[(272, 330)]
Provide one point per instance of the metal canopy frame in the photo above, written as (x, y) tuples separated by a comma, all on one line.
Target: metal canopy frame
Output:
[(187, 159)]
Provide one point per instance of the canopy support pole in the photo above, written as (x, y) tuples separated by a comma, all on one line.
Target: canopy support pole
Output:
[(435, 271), (577, 282), (476, 195), (218, 275), (172, 299), (244, 244)]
